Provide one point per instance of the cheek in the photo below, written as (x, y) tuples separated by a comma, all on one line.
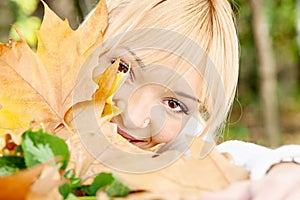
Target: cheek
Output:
[(170, 130)]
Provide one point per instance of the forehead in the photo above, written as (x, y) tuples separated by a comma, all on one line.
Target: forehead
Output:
[(170, 68), (156, 59)]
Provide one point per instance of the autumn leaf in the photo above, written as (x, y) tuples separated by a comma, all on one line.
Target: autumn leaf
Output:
[(186, 178), (26, 182), (37, 87)]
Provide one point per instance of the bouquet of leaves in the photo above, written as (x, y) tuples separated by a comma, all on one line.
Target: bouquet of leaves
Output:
[(37, 90)]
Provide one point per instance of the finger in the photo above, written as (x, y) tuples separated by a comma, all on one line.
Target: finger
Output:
[(293, 195), (270, 188), (236, 191), (275, 190)]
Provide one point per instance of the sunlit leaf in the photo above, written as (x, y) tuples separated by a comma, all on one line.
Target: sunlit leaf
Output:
[(117, 188), (40, 147), (37, 87), (100, 181)]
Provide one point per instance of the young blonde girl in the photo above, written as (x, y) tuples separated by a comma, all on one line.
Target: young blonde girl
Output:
[(181, 61)]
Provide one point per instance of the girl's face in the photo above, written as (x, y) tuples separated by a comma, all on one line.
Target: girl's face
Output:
[(157, 98)]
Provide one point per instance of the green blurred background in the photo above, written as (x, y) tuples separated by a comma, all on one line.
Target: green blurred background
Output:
[(247, 120)]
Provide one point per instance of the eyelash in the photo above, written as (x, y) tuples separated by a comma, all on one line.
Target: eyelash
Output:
[(124, 67), (182, 106)]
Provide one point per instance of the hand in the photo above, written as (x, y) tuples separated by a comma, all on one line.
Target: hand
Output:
[(281, 183)]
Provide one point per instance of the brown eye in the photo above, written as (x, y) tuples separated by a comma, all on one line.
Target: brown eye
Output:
[(175, 105), (172, 104), (123, 67)]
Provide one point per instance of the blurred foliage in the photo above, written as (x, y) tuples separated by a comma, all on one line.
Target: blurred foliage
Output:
[(24, 21), (237, 132), (282, 21)]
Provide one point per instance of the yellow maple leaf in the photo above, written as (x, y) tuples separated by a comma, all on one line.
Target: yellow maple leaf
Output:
[(37, 87)]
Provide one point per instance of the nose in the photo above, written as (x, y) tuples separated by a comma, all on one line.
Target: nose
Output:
[(136, 110)]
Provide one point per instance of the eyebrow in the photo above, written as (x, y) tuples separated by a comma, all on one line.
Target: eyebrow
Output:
[(203, 109), (137, 59), (187, 96)]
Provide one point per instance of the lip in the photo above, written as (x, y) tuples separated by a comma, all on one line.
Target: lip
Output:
[(124, 134), (128, 137)]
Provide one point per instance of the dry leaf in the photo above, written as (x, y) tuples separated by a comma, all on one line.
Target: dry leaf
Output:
[(38, 87), (18, 185), (187, 178)]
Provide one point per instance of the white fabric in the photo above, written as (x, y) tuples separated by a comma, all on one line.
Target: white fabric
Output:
[(258, 159)]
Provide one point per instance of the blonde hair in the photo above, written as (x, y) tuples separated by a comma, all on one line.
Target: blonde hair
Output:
[(207, 23)]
